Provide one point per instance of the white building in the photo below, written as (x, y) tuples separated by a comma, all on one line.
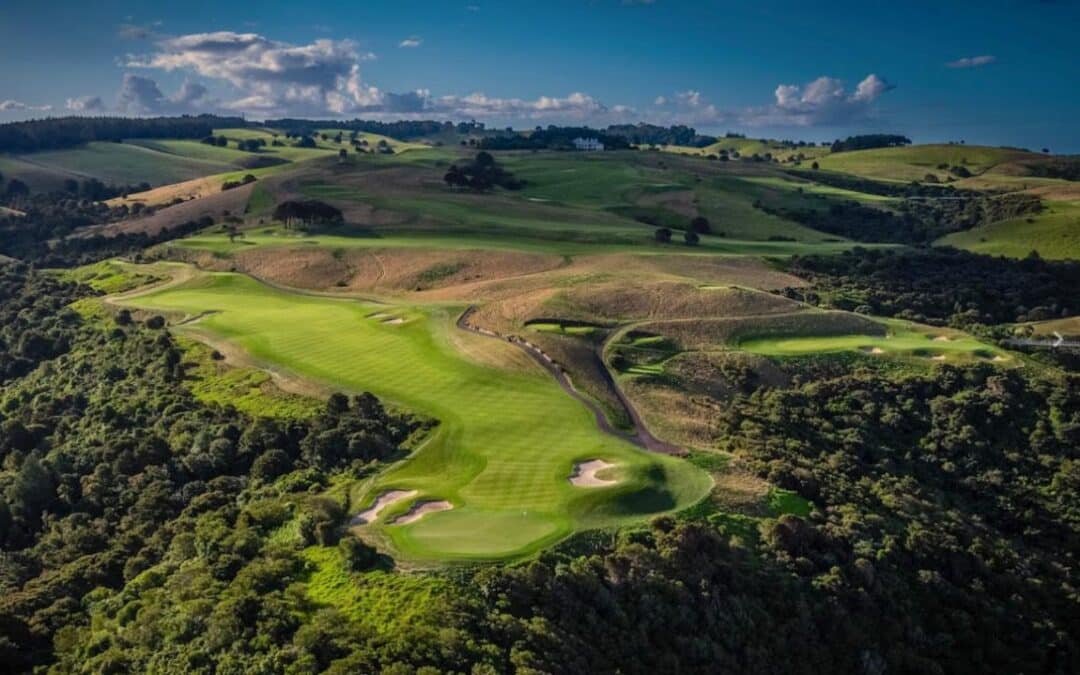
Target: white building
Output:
[(588, 144)]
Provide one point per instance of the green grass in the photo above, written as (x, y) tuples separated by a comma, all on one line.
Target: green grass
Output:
[(1054, 234), (383, 603), (903, 340), (782, 501), (507, 440), (110, 276), (125, 163), (913, 162), (249, 390)]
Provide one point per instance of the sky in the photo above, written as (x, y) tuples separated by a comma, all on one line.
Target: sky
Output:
[(999, 73)]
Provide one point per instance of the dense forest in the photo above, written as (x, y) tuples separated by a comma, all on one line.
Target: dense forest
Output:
[(68, 132), (940, 285), (552, 138), (914, 220)]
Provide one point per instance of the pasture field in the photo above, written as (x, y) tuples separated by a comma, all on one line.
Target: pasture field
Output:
[(913, 162), (507, 440), (1054, 233), (123, 163)]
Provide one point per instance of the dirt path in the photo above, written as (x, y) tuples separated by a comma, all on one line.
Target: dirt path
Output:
[(641, 436)]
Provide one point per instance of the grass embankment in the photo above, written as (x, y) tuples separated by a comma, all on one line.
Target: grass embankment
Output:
[(507, 440)]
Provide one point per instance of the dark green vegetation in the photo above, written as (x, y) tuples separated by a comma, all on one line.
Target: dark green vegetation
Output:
[(940, 286), (67, 132), (151, 530)]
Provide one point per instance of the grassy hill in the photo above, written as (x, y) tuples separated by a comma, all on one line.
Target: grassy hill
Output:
[(1054, 234), (914, 162)]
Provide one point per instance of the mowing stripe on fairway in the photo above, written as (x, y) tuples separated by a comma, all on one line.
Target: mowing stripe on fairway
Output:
[(507, 440)]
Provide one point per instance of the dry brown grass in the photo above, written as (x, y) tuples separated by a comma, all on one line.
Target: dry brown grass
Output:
[(214, 205), (196, 188), (663, 300)]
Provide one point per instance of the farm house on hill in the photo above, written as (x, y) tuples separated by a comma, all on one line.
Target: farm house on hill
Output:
[(588, 144)]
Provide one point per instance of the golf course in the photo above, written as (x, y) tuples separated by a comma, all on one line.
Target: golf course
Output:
[(507, 441)]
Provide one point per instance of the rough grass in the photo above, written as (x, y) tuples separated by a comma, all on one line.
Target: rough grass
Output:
[(249, 390), (1053, 233), (913, 162), (507, 440), (125, 163), (382, 602)]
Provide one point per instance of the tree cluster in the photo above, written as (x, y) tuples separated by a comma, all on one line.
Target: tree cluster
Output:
[(68, 132), (308, 213), (482, 174), (940, 285), (868, 141)]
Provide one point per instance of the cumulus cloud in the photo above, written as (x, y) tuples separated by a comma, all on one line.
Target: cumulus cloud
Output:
[(11, 105), (971, 61), (269, 77), (411, 42), (141, 95), (85, 104), (822, 102)]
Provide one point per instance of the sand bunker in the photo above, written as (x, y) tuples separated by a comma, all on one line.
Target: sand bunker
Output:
[(939, 357), (421, 509), (873, 350), (383, 500), (379, 315), (943, 338), (394, 320), (585, 474), (999, 358)]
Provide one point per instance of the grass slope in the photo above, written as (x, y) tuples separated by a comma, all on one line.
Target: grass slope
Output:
[(124, 163), (507, 440), (1054, 234), (913, 162)]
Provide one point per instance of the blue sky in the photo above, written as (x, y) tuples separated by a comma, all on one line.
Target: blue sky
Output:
[(991, 72)]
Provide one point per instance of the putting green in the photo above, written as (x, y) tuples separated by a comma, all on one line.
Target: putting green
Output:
[(507, 441), (944, 345)]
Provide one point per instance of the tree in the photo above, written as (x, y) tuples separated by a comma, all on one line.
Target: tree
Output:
[(307, 213), (815, 166), (691, 238), (700, 224), (663, 235), (342, 154)]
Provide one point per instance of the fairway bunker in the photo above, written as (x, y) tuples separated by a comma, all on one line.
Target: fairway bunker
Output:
[(943, 338), (421, 509), (585, 474), (394, 320), (873, 350), (381, 502)]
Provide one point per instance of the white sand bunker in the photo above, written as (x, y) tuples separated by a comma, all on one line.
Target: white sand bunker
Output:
[(383, 500), (938, 357), (585, 474), (999, 358), (873, 350), (394, 320), (379, 315), (943, 338), (421, 509)]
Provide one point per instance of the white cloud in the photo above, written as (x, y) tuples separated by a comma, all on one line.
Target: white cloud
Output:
[(11, 105), (660, 101), (971, 61), (822, 102), (141, 95), (85, 104), (411, 42)]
